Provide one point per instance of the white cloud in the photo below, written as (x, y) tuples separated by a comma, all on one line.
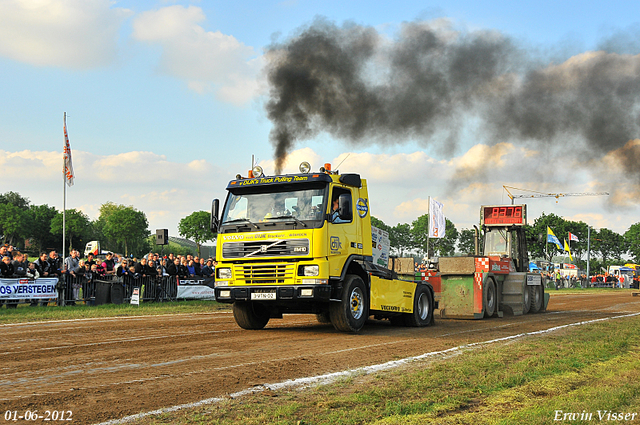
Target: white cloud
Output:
[(62, 33), (208, 61), (165, 191)]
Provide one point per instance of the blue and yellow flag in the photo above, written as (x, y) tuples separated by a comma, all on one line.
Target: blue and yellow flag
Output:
[(552, 238)]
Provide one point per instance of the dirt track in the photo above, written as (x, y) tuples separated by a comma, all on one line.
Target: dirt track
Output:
[(102, 369)]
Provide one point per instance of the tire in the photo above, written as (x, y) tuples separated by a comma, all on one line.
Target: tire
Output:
[(252, 316), (323, 317), (536, 295), (526, 305), (422, 308), (490, 298), (350, 314)]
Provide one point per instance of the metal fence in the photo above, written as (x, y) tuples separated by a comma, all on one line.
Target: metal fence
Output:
[(96, 290)]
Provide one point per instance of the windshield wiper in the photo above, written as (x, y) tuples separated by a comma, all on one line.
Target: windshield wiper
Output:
[(289, 217), (243, 220)]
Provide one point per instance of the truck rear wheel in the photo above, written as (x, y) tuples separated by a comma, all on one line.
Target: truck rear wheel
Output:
[(422, 308), (536, 294), (489, 298), (526, 305), (352, 311), (250, 315)]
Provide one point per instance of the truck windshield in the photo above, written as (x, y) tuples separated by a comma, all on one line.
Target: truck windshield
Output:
[(496, 242), (282, 206)]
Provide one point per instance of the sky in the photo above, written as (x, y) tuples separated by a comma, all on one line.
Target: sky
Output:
[(167, 101)]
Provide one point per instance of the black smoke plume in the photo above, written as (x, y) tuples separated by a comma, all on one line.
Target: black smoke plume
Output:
[(363, 87)]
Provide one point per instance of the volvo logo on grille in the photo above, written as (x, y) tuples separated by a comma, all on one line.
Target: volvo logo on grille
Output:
[(263, 248)]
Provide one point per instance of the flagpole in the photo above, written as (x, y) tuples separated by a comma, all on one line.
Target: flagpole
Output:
[(64, 196)]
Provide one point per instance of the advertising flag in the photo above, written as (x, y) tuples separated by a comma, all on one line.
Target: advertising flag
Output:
[(437, 221), (567, 249), (573, 237), (552, 238), (68, 166)]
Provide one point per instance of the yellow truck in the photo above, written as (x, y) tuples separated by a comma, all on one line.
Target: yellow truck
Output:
[(302, 243)]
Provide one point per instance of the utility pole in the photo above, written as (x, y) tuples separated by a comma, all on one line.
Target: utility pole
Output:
[(588, 248)]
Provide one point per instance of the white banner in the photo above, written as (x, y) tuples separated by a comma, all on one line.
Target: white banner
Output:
[(437, 221), (18, 289), (200, 292), (199, 289)]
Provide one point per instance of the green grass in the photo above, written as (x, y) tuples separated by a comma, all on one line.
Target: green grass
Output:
[(25, 313), (579, 369)]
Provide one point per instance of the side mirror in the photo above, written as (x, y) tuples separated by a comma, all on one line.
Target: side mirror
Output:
[(215, 221), (344, 207)]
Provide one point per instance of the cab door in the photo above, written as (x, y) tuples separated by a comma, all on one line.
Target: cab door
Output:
[(342, 235)]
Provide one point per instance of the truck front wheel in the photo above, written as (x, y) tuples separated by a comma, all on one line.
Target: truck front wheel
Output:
[(422, 308), (352, 312), (252, 316)]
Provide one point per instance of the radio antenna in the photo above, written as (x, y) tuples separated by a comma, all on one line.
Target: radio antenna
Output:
[(345, 158)]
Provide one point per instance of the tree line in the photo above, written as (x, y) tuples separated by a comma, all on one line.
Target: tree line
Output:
[(38, 228), (119, 228)]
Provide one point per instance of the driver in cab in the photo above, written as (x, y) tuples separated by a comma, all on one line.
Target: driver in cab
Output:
[(335, 215)]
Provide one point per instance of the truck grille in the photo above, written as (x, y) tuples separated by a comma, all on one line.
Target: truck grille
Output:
[(259, 274), (269, 248)]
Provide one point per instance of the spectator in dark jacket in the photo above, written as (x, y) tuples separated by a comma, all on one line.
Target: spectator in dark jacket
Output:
[(183, 270), (150, 269), (6, 271), (6, 267), (19, 265), (172, 267), (207, 270)]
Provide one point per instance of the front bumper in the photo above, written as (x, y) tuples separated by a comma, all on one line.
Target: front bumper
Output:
[(274, 294)]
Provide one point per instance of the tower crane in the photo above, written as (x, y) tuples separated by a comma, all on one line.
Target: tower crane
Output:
[(536, 194)]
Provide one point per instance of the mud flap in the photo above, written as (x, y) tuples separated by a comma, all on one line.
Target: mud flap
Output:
[(546, 301)]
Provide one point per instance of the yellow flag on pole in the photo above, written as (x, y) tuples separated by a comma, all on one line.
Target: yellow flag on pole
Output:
[(567, 249)]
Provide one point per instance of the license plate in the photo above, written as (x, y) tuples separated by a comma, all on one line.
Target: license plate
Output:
[(263, 295)]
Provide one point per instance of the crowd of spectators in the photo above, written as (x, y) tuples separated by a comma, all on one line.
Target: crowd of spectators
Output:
[(74, 273)]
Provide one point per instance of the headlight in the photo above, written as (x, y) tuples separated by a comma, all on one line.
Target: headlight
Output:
[(224, 273), (313, 270), (225, 294), (219, 283), (305, 167), (257, 171)]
